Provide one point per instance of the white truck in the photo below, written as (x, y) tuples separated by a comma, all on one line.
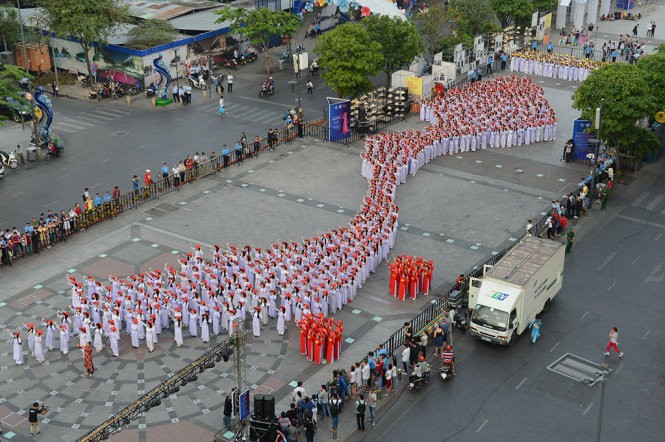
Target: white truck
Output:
[(509, 295)]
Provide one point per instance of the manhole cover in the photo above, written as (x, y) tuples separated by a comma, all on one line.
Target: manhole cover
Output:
[(580, 369)]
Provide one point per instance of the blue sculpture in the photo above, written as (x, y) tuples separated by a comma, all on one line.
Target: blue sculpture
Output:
[(44, 103), (164, 77)]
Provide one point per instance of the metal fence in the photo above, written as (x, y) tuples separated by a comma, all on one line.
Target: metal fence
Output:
[(46, 237)]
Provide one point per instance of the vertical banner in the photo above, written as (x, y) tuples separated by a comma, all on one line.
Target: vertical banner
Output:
[(339, 111), (244, 405), (581, 139), (415, 86)]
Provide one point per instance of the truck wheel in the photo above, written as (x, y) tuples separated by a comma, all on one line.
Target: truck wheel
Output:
[(513, 338), (547, 305)]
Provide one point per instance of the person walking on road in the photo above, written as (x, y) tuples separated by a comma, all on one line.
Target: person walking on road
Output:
[(229, 82), (613, 342), (361, 405), (33, 419), (335, 407), (371, 403)]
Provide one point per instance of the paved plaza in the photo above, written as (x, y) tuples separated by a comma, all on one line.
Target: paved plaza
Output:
[(457, 210)]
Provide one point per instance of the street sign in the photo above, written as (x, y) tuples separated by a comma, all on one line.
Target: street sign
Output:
[(28, 96), (93, 67)]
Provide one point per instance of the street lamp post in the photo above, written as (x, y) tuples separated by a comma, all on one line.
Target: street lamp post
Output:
[(599, 114)]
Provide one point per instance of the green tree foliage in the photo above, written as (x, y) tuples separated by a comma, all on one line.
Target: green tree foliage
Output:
[(89, 21), (444, 27), (627, 99), (151, 33), (348, 57), (653, 68), (399, 39), (513, 12), (259, 25), (9, 27), (9, 78)]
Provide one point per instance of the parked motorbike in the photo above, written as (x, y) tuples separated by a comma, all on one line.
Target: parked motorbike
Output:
[(2, 171), (150, 91), (9, 159), (445, 372), (24, 84), (416, 382), (197, 82), (461, 318), (84, 80)]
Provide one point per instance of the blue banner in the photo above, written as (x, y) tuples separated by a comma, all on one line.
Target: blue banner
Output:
[(244, 405), (581, 140), (338, 119)]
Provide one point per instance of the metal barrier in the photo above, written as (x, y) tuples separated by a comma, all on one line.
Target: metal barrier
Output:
[(322, 131)]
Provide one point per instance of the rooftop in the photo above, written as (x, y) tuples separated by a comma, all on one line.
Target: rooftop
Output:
[(524, 260)]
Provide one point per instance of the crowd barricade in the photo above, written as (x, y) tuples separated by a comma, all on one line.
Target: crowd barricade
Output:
[(144, 194)]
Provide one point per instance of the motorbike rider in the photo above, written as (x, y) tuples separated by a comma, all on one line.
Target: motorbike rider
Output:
[(424, 368), (269, 85), (448, 358), (314, 67)]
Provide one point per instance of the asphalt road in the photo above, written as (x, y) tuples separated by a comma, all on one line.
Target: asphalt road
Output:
[(613, 278), (108, 142)]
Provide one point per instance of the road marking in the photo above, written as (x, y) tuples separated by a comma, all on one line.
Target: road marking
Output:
[(584, 315), (104, 161), (656, 274), (609, 289), (660, 234), (653, 204), (58, 128), (618, 369), (85, 123), (105, 113), (635, 260), (520, 384), (482, 426), (554, 346), (117, 111), (51, 203), (646, 334), (95, 117), (96, 185), (16, 194), (63, 176), (643, 221), (639, 199), (607, 260), (586, 410)]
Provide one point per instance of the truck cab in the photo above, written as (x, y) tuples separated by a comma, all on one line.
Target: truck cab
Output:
[(494, 317)]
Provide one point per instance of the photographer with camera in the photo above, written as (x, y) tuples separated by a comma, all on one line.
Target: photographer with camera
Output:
[(33, 417)]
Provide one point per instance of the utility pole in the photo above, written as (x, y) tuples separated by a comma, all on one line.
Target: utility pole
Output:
[(599, 115), (20, 23), (240, 368)]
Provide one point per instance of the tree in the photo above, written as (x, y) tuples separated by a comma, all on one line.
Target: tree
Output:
[(348, 57), (259, 25), (10, 93), (399, 39), (151, 33), (476, 17), (513, 12), (627, 99), (89, 21), (438, 26), (9, 27), (653, 68)]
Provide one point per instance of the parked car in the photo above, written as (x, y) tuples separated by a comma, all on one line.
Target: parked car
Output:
[(15, 110)]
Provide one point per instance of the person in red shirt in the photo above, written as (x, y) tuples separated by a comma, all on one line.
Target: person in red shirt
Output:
[(147, 178)]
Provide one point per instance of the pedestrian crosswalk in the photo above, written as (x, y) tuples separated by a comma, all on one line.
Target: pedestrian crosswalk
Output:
[(86, 120), (270, 116), (653, 202)]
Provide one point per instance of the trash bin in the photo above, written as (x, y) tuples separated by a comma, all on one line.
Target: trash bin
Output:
[(281, 64), (32, 153)]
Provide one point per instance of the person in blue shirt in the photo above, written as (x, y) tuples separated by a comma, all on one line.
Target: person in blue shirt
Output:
[(97, 200), (473, 75), (504, 60), (107, 197), (165, 174), (549, 47), (587, 52), (382, 351), (238, 149), (614, 55), (534, 45), (490, 64), (226, 155)]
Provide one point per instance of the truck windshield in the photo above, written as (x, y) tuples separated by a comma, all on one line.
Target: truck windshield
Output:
[(490, 317)]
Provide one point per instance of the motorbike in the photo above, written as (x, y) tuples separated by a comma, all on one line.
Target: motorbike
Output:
[(267, 89), (445, 372), (461, 319), (55, 150), (416, 382), (84, 80), (2, 171), (197, 82), (24, 84), (9, 159), (314, 69), (150, 91)]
